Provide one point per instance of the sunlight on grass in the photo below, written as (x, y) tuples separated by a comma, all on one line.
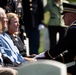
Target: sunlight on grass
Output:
[(41, 48), (46, 19)]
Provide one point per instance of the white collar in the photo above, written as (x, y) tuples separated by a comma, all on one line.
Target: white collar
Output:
[(73, 22)]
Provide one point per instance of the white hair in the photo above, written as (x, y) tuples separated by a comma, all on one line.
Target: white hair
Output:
[(1, 12)]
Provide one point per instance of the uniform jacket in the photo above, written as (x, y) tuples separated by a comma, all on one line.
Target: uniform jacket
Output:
[(68, 43), (32, 12), (55, 11)]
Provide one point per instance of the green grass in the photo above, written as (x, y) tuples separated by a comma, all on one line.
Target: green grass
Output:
[(41, 48), (46, 19)]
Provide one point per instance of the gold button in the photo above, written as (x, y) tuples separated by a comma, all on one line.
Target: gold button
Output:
[(8, 11), (15, 10), (19, 15), (19, 10), (31, 8), (30, 0), (30, 4)]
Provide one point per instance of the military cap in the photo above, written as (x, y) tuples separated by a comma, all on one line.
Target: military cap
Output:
[(67, 7)]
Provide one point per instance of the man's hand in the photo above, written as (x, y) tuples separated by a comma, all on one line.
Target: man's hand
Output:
[(30, 59), (40, 56)]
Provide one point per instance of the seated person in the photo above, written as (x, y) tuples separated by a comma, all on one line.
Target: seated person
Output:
[(7, 47), (13, 30)]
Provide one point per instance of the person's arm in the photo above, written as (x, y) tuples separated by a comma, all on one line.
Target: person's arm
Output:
[(62, 48), (39, 56), (30, 59)]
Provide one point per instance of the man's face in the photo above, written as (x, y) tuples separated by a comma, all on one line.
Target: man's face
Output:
[(68, 18), (4, 21)]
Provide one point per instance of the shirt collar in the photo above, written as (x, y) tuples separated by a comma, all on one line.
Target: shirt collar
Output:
[(74, 22)]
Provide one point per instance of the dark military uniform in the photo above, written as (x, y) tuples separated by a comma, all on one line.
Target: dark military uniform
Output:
[(32, 13), (65, 51), (32, 17), (68, 43)]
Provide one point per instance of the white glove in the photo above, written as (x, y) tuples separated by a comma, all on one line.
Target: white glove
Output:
[(41, 55), (41, 26)]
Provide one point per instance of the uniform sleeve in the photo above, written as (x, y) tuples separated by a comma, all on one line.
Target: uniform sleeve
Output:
[(65, 44)]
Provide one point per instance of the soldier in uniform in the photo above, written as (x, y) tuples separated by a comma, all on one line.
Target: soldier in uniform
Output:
[(32, 17), (55, 23), (65, 51)]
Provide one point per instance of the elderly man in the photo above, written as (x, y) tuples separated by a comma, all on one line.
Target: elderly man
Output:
[(7, 47), (4, 70), (65, 51)]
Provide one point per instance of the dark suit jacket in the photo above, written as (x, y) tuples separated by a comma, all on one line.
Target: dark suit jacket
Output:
[(68, 43), (32, 18), (17, 42)]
